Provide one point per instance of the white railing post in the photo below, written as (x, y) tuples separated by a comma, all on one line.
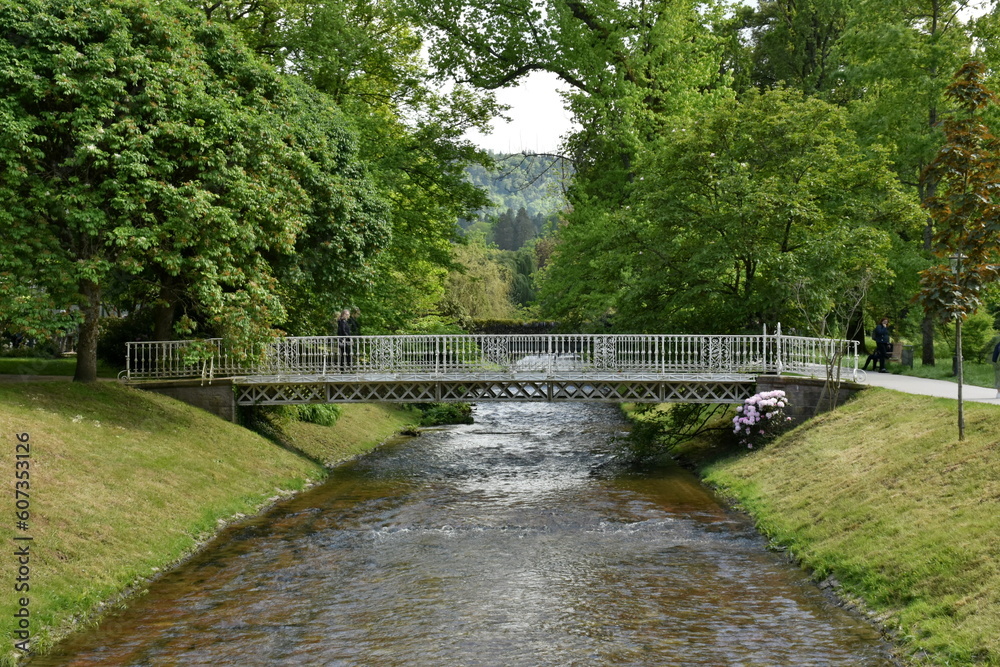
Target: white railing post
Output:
[(549, 356), (764, 347), (779, 366)]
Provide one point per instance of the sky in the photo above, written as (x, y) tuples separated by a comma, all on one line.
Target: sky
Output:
[(538, 119)]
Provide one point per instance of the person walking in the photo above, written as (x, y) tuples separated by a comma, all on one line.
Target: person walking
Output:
[(345, 344), (881, 336)]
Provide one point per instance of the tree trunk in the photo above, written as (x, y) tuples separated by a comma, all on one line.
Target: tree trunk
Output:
[(163, 317), (927, 331), (961, 377), (86, 346), (927, 324), (926, 187)]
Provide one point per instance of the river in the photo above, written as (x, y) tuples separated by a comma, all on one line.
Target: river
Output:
[(507, 542)]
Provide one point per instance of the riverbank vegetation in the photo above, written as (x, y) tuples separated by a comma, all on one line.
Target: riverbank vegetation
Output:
[(882, 499), (123, 483)]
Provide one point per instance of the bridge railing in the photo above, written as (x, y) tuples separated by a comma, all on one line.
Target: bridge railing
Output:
[(800, 354), (448, 355)]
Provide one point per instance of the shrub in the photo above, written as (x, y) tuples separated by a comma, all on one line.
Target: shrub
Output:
[(656, 432), (761, 418), (31, 349), (439, 414), (977, 336), (324, 414)]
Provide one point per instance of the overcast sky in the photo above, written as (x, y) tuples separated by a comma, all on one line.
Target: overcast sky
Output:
[(537, 118)]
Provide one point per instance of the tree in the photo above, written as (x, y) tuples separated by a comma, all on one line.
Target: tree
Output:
[(512, 230), (751, 214), (503, 230), (480, 287), (791, 43), (632, 68), (524, 229), (138, 139), (899, 54), (347, 230), (965, 209), (367, 57)]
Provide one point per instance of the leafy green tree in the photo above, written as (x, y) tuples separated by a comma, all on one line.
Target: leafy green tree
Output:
[(790, 43), (138, 139), (367, 57), (480, 287), (965, 209), (503, 230), (899, 55), (512, 230), (755, 213), (338, 253), (260, 23)]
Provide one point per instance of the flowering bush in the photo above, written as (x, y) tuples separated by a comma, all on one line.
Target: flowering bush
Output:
[(761, 417)]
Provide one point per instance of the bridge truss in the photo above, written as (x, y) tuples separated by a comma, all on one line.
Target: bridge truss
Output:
[(268, 391), (476, 368)]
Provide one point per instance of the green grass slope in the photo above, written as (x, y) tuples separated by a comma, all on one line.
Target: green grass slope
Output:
[(124, 483), (881, 495)]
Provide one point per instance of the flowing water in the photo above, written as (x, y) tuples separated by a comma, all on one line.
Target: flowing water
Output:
[(507, 542)]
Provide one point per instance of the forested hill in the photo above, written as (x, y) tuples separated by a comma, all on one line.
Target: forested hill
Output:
[(534, 183)]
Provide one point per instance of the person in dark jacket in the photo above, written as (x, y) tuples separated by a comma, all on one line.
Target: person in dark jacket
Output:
[(881, 336), (344, 333)]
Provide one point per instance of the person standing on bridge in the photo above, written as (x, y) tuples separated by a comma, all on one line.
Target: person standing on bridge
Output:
[(344, 333)]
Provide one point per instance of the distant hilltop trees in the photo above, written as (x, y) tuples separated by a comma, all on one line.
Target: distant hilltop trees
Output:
[(527, 192)]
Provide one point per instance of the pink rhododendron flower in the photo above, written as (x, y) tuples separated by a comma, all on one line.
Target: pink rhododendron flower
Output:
[(760, 417)]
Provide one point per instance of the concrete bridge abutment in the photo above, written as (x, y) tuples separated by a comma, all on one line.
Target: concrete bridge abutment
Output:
[(807, 397), (219, 397)]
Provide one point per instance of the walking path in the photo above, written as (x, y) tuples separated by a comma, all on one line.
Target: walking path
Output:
[(925, 387)]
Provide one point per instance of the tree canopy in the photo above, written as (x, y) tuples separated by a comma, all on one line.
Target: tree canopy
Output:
[(141, 142), (751, 213)]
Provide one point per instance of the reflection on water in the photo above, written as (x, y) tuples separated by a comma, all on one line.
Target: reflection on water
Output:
[(506, 542)]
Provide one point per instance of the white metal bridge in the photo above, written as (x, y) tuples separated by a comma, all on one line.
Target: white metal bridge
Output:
[(649, 368)]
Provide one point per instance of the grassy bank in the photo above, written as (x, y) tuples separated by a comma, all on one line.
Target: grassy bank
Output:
[(124, 483), (37, 366), (882, 496)]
